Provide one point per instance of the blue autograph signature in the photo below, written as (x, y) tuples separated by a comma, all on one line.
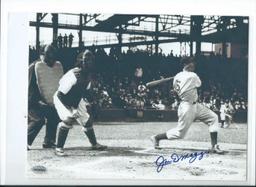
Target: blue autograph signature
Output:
[(174, 158)]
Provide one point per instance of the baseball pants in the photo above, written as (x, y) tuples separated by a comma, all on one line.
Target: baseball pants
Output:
[(65, 113), (187, 114), (37, 117)]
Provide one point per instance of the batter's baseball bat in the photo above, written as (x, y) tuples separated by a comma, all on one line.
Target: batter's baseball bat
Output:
[(157, 82)]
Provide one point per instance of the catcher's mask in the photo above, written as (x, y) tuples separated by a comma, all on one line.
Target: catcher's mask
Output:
[(50, 54), (85, 61)]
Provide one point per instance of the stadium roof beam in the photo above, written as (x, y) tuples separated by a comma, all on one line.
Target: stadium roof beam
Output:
[(42, 16), (164, 22), (114, 21), (124, 31), (212, 29), (208, 38), (129, 44), (135, 23), (205, 38), (71, 14), (120, 19), (175, 25), (93, 17)]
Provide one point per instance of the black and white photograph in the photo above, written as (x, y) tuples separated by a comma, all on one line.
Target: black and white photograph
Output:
[(137, 96), (155, 93)]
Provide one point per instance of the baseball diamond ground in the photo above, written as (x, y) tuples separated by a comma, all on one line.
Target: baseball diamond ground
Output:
[(131, 156)]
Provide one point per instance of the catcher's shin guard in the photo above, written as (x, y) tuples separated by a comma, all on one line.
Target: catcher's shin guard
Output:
[(89, 131), (62, 136), (91, 135)]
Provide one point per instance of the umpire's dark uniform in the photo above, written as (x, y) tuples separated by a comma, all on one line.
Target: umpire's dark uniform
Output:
[(42, 84)]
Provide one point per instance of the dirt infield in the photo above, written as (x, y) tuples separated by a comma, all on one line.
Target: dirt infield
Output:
[(130, 154)]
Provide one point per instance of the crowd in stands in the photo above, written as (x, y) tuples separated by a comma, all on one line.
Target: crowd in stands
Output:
[(120, 79)]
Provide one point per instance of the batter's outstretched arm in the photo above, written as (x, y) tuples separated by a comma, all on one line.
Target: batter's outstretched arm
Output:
[(158, 82)]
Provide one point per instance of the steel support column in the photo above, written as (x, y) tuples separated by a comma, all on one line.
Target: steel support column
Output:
[(224, 49), (55, 23), (38, 15), (80, 31), (196, 32), (157, 35), (119, 37), (191, 48)]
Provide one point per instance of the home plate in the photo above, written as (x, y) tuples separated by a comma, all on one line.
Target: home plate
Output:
[(38, 169)]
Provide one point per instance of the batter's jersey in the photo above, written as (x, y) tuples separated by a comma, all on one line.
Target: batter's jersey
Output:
[(185, 85)]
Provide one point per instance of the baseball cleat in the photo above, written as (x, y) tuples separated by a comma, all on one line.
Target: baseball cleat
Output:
[(49, 145), (155, 142), (216, 149), (98, 147), (60, 152)]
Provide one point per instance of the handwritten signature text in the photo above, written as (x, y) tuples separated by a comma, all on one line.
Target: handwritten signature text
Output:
[(161, 161)]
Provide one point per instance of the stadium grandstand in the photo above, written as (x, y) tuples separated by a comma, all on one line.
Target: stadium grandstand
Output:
[(131, 50)]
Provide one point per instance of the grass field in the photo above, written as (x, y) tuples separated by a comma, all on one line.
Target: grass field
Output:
[(131, 156)]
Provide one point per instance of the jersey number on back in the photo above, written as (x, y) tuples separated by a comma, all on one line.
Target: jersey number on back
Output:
[(176, 86)]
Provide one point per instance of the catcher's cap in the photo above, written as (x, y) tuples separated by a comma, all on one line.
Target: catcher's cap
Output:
[(187, 60)]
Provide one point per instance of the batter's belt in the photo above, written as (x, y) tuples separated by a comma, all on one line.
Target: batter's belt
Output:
[(193, 103)]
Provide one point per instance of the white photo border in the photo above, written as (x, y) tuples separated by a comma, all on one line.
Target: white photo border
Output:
[(14, 75)]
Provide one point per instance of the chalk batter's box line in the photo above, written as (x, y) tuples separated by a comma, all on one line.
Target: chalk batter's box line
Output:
[(149, 150)]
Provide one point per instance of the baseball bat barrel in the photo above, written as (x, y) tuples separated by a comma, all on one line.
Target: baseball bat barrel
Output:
[(158, 82)]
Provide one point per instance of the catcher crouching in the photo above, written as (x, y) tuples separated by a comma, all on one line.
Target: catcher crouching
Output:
[(71, 103)]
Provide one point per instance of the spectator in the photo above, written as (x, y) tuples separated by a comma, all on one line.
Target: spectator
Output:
[(70, 40), (175, 104), (60, 45), (138, 73), (65, 40), (158, 105)]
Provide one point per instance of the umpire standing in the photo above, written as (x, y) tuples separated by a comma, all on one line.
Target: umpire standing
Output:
[(44, 76)]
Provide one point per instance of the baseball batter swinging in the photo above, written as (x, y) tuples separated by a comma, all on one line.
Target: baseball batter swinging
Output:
[(185, 85)]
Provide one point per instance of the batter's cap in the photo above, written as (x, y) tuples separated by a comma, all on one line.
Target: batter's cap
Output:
[(186, 60)]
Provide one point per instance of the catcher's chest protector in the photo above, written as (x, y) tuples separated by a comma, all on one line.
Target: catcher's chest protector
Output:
[(48, 79)]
